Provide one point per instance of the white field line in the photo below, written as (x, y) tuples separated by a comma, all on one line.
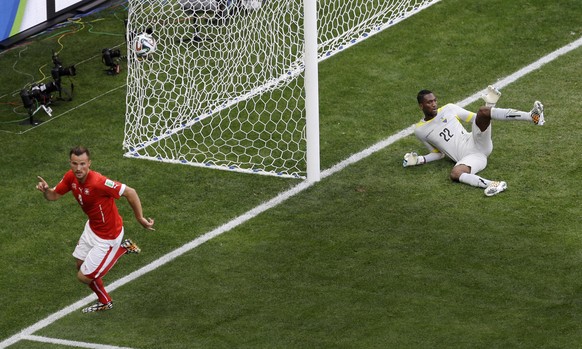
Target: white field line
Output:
[(68, 343), (280, 198)]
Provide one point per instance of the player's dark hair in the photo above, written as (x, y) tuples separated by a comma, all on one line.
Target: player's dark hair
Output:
[(421, 94), (80, 150)]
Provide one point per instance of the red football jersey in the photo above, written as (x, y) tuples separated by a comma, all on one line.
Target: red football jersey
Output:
[(97, 199)]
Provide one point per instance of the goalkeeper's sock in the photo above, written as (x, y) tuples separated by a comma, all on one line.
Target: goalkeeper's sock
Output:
[(99, 289), (474, 180), (510, 114)]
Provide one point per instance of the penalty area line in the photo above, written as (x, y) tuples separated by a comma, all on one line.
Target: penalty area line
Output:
[(280, 198)]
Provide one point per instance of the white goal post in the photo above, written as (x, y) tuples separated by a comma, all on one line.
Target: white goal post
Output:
[(233, 84)]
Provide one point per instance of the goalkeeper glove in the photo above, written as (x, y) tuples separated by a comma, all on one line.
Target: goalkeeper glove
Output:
[(491, 97), (412, 159)]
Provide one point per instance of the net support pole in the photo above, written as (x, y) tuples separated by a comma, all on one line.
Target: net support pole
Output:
[(311, 90)]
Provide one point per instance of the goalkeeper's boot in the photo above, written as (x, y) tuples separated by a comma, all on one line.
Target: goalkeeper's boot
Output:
[(495, 188), (537, 113), (130, 246), (98, 307)]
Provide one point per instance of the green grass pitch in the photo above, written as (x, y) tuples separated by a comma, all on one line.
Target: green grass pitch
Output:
[(375, 256)]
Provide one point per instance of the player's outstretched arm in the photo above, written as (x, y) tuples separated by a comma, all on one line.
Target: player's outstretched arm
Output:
[(413, 159), (135, 203), (48, 192)]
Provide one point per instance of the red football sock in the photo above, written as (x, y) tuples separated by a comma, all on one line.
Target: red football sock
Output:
[(97, 287)]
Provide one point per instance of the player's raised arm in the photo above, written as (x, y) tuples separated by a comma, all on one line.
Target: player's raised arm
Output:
[(48, 192)]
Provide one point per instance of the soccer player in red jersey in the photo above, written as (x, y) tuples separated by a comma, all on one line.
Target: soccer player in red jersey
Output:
[(101, 243)]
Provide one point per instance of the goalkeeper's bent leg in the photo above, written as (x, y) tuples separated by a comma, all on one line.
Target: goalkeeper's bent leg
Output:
[(474, 180)]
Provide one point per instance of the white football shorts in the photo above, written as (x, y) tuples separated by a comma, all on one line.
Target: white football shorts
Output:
[(97, 254), (476, 156)]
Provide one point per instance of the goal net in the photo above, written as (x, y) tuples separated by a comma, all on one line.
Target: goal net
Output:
[(224, 86)]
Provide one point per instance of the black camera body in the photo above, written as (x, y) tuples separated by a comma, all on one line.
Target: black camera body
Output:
[(111, 57), (38, 94), (58, 70)]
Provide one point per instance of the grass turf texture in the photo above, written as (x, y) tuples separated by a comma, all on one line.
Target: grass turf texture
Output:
[(375, 256)]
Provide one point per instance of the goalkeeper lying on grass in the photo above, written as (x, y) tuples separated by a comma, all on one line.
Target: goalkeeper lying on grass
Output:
[(443, 134)]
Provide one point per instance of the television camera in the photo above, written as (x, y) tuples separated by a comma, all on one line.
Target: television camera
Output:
[(58, 71), (111, 57), (39, 96)]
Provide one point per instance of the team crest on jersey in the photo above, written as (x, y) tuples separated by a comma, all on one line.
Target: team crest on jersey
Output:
[(444, 119), (109, 183), (86, 191)]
